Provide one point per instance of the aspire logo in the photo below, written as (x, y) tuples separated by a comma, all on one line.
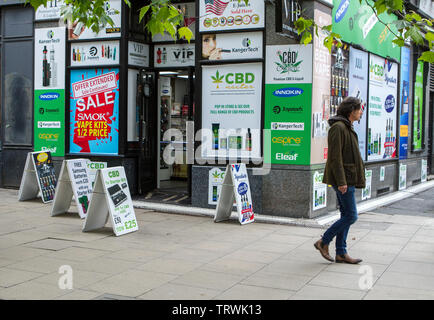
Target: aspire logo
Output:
[(288, 62), (287, 140), (49, 136)]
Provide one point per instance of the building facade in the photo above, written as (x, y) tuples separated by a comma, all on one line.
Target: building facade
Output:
[(175, 113)]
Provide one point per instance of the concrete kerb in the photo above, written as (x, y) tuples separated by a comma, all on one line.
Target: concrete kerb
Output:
[(320, 222)]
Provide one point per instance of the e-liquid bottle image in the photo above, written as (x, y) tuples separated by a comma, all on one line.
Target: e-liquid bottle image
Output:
[(164, 56), (214, 193), (159, 56), (239, 139), (45, 68), (215, 132), (223, 140), (249, 140), (369, 142)]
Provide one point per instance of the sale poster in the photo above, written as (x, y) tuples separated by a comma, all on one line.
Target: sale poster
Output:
[(94, 111)]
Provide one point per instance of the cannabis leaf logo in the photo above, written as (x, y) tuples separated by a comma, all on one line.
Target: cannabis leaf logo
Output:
[(287, 67), (217, 79), (216, 174)]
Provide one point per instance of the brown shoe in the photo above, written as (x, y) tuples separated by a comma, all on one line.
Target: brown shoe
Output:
[(323, 249), (345, 258)]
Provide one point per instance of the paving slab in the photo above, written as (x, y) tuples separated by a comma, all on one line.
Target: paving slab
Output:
[(172, 291), (245, 292), (316, 292)]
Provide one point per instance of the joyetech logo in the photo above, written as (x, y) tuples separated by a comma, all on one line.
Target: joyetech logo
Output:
[(93, 51), (276, 109)]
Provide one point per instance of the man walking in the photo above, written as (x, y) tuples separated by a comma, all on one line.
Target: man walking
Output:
[(344, 171)]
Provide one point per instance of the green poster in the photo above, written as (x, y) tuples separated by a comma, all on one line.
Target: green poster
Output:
[(287, 115), (358, 24), (418, 108), (49, 121)]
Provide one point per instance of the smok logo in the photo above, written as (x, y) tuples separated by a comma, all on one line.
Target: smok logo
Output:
[(342, 10), (49, 96), (287, 92)]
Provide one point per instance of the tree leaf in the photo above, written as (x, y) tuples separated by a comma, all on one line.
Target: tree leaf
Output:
[(427, 56), (186, 33), (143, 11)]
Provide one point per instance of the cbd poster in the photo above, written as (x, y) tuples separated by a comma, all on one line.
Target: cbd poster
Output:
[(49, 94), (94, 111), (382, 109)]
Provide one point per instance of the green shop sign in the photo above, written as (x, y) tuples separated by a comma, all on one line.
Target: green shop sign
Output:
[(418, 108), (358, 24), (49, 129), (287, 115)]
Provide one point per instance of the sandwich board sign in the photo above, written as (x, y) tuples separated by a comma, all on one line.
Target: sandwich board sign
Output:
[(92, 167), (235, 185), (111, 198), (38, 176), (73, 181)]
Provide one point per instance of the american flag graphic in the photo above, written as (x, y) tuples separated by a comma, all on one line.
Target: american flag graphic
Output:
[(216, 6)]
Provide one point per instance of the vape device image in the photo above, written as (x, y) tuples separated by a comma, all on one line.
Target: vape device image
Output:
[(77, 29), (116, 194), (45, 68)]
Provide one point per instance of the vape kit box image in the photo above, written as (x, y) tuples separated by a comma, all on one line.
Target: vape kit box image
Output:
[(116, 194)]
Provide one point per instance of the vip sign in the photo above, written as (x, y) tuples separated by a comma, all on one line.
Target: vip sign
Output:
[(138, 54), (111, 198), (177, 55)]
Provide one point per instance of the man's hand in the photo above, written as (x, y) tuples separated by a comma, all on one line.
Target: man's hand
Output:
[(343, 189)]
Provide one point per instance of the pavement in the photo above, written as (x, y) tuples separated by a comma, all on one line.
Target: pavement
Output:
[(190, 257)]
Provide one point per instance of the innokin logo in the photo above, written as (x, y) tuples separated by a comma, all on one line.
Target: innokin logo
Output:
[(49, 96), (287, 92), (342, 10)]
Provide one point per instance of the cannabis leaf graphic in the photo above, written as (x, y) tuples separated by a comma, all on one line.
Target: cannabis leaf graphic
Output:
[(217, 79)]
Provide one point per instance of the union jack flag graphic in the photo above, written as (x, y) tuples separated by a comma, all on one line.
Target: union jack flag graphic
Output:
[(216, 7)]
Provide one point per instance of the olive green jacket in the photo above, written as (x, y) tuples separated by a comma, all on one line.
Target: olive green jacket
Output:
[(344, 164)]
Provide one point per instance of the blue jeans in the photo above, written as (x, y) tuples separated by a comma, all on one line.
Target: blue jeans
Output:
[(347, 207)]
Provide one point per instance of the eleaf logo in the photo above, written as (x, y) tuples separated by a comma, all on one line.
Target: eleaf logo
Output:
[(288, 62), (287, 92), (286, 141), (342, 10), (288, 156), (234, 80)]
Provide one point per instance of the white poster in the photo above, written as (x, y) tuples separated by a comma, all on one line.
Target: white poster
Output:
[(402, 176), (424, 170), (173, 55), (235, 186), (73, 181), (382, 108), (78, 31), (382, 173), (231, 110), (288, 64), (366, 192), (319, 191), (215, 180), (50, 58), (94, 53), (138, 54), (224, 46), (49, 12), (111, 198), (231, 15)]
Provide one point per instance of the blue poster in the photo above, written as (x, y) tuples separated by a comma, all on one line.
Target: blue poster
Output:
[(94, 111), (404, 98), (358, 87)]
